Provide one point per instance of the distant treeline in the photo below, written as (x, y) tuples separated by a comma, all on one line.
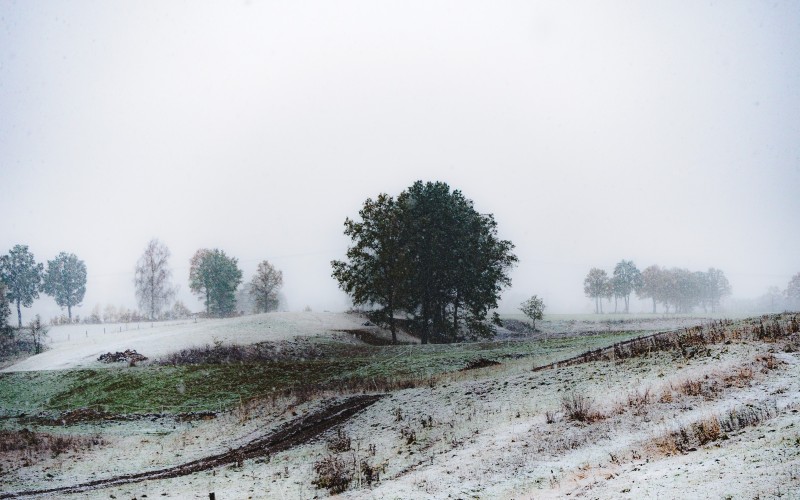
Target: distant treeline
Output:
[(677, 290)]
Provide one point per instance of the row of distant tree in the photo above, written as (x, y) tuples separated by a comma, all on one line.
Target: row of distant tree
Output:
[(775, 299), (677, 290), (22, 279), (213, 276)]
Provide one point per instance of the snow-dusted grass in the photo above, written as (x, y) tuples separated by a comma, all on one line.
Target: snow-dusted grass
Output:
[(484, 433), (78, 346)]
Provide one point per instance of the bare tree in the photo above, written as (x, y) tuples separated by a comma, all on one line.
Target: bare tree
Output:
[(264, 287), (154, 290)]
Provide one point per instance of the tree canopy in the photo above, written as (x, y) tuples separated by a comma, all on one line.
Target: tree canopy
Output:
[(430, 254), (264, 287), (534, 309), (627, 279), (65, 281), (214, 277), (596, 286), (22, 277)]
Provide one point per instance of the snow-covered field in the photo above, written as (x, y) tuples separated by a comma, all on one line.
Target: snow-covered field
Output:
[(493, 433), (78, 346)]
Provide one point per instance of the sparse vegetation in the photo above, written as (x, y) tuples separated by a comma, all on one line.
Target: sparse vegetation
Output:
[(333, 474), (580, 407), (456, 408)]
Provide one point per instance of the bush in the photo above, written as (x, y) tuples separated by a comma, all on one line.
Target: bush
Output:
[(578, 407), (340, 442), (333, 474)]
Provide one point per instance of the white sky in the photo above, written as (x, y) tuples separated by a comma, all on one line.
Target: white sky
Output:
[(663, 132)]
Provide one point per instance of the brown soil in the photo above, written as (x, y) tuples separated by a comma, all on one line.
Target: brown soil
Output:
[(294, 433), (479, 363), (367, 337)]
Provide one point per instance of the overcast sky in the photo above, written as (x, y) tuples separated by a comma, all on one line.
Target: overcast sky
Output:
[(663, 132)]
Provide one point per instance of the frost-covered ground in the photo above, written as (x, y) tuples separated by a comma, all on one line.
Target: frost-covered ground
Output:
[(485, 434), (78, 346)]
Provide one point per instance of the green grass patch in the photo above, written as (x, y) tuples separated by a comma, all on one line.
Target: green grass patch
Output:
[(176, 389)]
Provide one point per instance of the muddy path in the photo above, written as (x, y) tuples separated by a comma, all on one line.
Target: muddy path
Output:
[(290, 434)]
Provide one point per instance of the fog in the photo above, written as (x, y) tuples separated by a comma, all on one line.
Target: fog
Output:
[(661, 132)]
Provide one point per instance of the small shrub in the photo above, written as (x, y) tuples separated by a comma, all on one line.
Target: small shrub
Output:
[(578, 407), (371, 473), (739, 379), (666, 396), (550, 416), (340, 442), (332, 474), (639, 400), (707, 430), (769, 362), (409, 435), (691, 387)]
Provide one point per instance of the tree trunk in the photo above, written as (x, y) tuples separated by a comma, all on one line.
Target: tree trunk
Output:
[(391, 322), (425, 323), (69, 313), (19, 315), (615, 304), (654, 305), (627, 303)]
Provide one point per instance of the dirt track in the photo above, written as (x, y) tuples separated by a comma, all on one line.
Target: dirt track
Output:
[(294, 433)]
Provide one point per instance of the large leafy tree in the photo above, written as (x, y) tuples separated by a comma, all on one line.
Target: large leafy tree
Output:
[(214, 277), (375, 272), (152, 279), (65, 281), (457, 264), (596, 286), (22, 277), (264, 287), (627, 279), (430, 254)]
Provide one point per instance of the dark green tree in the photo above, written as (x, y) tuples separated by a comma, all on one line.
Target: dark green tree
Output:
[(627, 279), (65, 281), (22, 277), (458, 265), (214, 277), (375, 273), (430, 254)]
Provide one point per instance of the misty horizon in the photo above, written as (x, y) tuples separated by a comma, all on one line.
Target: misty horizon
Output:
[(664, 134)]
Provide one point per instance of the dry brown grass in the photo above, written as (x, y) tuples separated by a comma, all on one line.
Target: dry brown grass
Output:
[(707, 430), (580, 408)]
